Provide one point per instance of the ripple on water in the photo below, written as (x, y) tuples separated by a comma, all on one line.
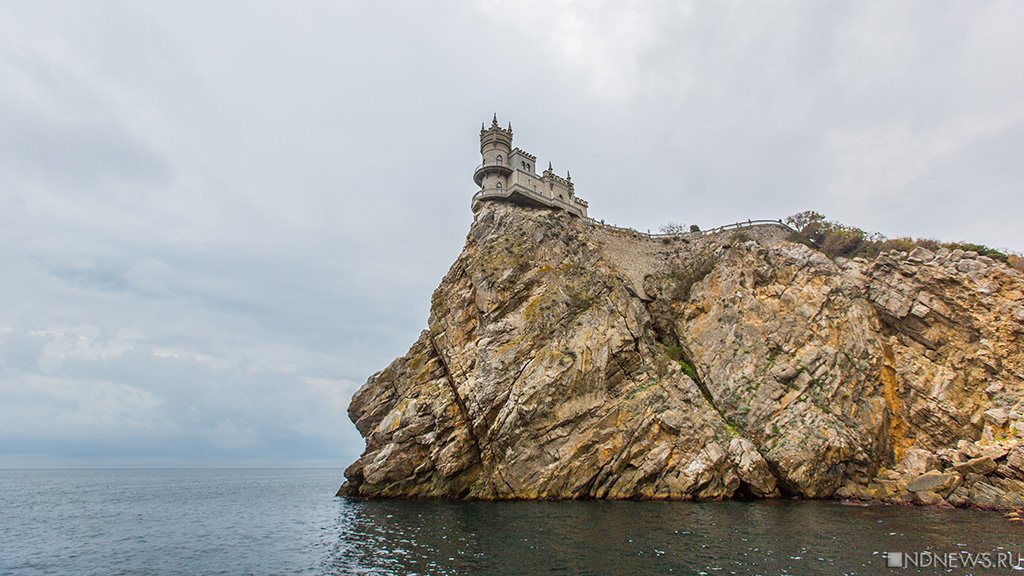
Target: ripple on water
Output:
[(288, 522)]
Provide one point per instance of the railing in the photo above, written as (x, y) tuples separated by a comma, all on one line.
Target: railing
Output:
[(537, 197), (491, 193), (733, 226), (502, 165), (478, 177)]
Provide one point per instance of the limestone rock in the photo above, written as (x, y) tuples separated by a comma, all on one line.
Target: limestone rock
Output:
[(1001, 497), (968, 449), (565, 359), (917, 461), (921, 254), (752, 468), (983, 465), (1015, 458), (934, 481), (926, 498), (997, 416)]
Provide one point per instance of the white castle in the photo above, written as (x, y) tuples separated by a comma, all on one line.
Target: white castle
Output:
[(509, 174)]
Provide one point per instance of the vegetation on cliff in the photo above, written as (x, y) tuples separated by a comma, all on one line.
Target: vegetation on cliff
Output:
[(836, 239)]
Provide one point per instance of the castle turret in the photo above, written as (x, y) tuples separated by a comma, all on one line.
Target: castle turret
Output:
[(496, 150)]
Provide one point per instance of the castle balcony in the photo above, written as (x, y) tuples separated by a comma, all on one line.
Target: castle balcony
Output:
[(491, 168)]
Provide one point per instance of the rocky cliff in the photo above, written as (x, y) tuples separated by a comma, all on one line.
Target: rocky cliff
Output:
[(564, 359)]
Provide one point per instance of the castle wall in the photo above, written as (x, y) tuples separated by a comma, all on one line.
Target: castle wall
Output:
[(557, 188), (528, 181), (518, 159)]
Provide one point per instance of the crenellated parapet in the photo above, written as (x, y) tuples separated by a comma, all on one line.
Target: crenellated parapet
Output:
[(524, 154)]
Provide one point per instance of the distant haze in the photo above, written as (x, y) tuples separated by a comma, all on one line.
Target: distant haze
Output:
[(218, 219)]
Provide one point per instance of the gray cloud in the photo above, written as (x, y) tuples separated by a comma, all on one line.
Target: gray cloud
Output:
[(217, 221)]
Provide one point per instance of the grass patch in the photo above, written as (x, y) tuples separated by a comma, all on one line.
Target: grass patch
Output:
[(688, 369)]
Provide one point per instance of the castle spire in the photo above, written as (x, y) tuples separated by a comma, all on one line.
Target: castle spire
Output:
[(494, 121), (549, 165), (568, 175), (510, 126)]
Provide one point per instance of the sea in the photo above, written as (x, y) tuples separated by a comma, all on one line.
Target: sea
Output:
[(277, 521)]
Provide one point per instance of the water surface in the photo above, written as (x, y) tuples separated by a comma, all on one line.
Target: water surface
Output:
[(288, 522)]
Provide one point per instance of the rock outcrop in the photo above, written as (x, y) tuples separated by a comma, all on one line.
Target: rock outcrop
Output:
[(564, 359)]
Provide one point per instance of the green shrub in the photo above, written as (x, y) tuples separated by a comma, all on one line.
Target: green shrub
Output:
[(979, 248)]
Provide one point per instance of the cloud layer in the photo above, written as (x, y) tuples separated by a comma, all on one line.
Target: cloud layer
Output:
[(218, 220)]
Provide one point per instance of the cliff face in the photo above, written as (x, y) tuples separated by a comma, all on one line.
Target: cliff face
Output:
[(568, 360)]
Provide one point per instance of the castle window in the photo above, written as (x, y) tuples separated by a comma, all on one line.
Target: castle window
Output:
[(499, 159), (498, 185), (523, 164)]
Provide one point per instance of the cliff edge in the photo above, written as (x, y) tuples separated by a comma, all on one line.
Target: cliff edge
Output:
[(564, 359)]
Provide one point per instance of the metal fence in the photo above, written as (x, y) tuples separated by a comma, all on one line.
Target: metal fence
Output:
[(727, 227)]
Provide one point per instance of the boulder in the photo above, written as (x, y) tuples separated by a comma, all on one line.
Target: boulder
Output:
[(921, 254), (934, 481), (1005, 471), (968, 448), (917, 461), (997, 416), (985, 495), (960, 497), (928, 498), (1015, 459), (995, 451), (983, 465)]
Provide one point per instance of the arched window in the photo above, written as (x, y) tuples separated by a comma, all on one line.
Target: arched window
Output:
[(499, 160), (498, 185), (522, 164)]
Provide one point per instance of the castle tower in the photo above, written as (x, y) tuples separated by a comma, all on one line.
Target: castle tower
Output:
[(496, 151), (508, 174)]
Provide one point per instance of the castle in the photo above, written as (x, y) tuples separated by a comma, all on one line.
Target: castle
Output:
[(509, 174)]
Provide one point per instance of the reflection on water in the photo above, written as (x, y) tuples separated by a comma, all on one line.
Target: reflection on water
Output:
[(773, 537), (99, 522)]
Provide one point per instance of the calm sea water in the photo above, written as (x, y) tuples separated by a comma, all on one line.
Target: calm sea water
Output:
[(288, 522)]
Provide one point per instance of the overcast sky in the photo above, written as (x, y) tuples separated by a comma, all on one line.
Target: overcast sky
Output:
[(217, 219)]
